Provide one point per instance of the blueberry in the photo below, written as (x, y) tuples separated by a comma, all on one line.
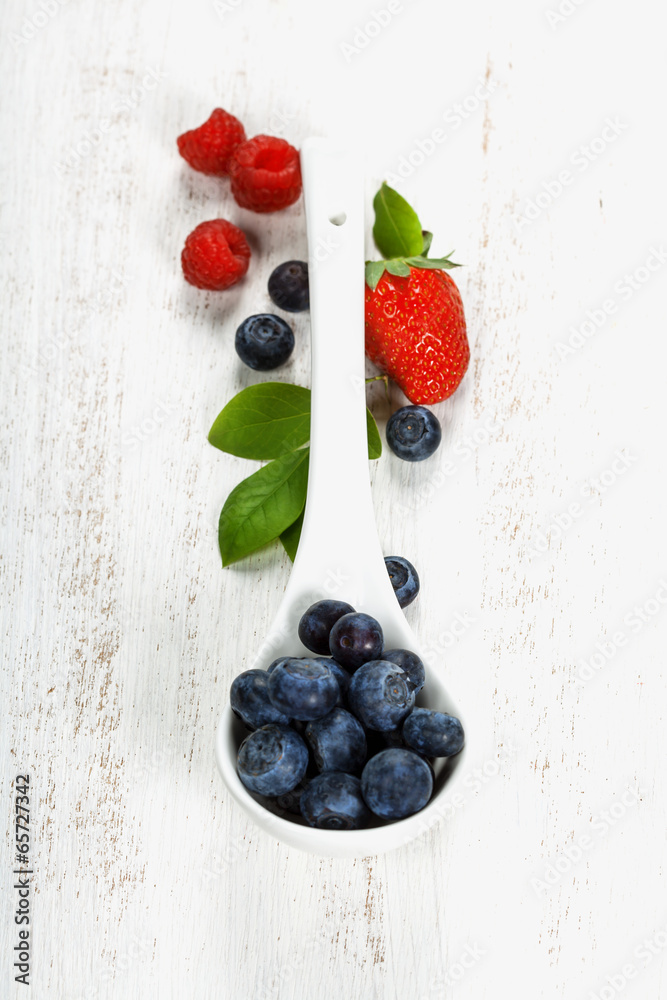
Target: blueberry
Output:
[(341, 675), (288, 286), (264, 342), (396, 783), (249, 698), (333, 801), (338, 741), (303, 689), (380, 695), (413, 433), (316, 624), (383, 741), (290, 801), (272, 760), (410, 663), (276, 663), (434, 734), (404, 579), (355, 639)]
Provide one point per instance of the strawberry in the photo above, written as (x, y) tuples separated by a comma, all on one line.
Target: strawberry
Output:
[(415, 325)]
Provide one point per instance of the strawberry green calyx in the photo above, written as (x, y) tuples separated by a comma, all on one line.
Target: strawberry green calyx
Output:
[(399, 237)]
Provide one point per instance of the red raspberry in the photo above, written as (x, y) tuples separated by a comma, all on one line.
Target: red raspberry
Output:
[(209, 147), (265, 174), (216, 255)]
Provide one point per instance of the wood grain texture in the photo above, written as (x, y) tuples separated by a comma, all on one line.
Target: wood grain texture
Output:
[(121, 630)]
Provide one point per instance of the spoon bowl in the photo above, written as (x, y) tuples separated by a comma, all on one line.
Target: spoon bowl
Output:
[(339, 554)]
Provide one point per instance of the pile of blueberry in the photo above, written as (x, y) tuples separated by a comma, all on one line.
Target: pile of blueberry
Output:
[(336, 737)]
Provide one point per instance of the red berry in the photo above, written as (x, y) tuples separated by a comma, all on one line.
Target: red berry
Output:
[(416, 333), (209, 147), (216, 255), (265, 173)]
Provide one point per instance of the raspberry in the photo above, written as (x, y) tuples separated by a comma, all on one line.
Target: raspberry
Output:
[(265, 174), (216, 255), (209, 147)]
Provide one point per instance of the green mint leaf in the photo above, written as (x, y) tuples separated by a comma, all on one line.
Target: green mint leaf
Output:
[(428, 239), (435, 263), (263, 421), (262, 506), (399, 267), (291, 536), (374, 271), (374, 439), (270, 420), (397, 231)]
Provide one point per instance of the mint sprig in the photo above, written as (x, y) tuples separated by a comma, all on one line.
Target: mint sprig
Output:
[(262, 506), (263, 421), (397, 231), (399, 237), (291, 537), (269, 421)]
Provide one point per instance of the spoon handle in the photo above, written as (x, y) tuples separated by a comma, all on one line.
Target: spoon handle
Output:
[(339, 531)]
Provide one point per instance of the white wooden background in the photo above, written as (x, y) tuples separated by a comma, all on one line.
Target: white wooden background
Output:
[(121, 632)]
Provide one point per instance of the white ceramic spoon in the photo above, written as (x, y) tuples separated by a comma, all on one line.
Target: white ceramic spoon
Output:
[(339, 554)]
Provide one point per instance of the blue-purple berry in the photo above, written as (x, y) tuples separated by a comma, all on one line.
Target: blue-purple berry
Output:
[(396, 783), (250, 702), (404, 579), (264, 342), (303, 689), (276, 663), (338, 742), (380, 695), (356, 638), (272, 760), (413, 433), (410, 663), (288, 286), (333, 801), (342, 676), (434, 734), (290, 801), (316, 624)]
